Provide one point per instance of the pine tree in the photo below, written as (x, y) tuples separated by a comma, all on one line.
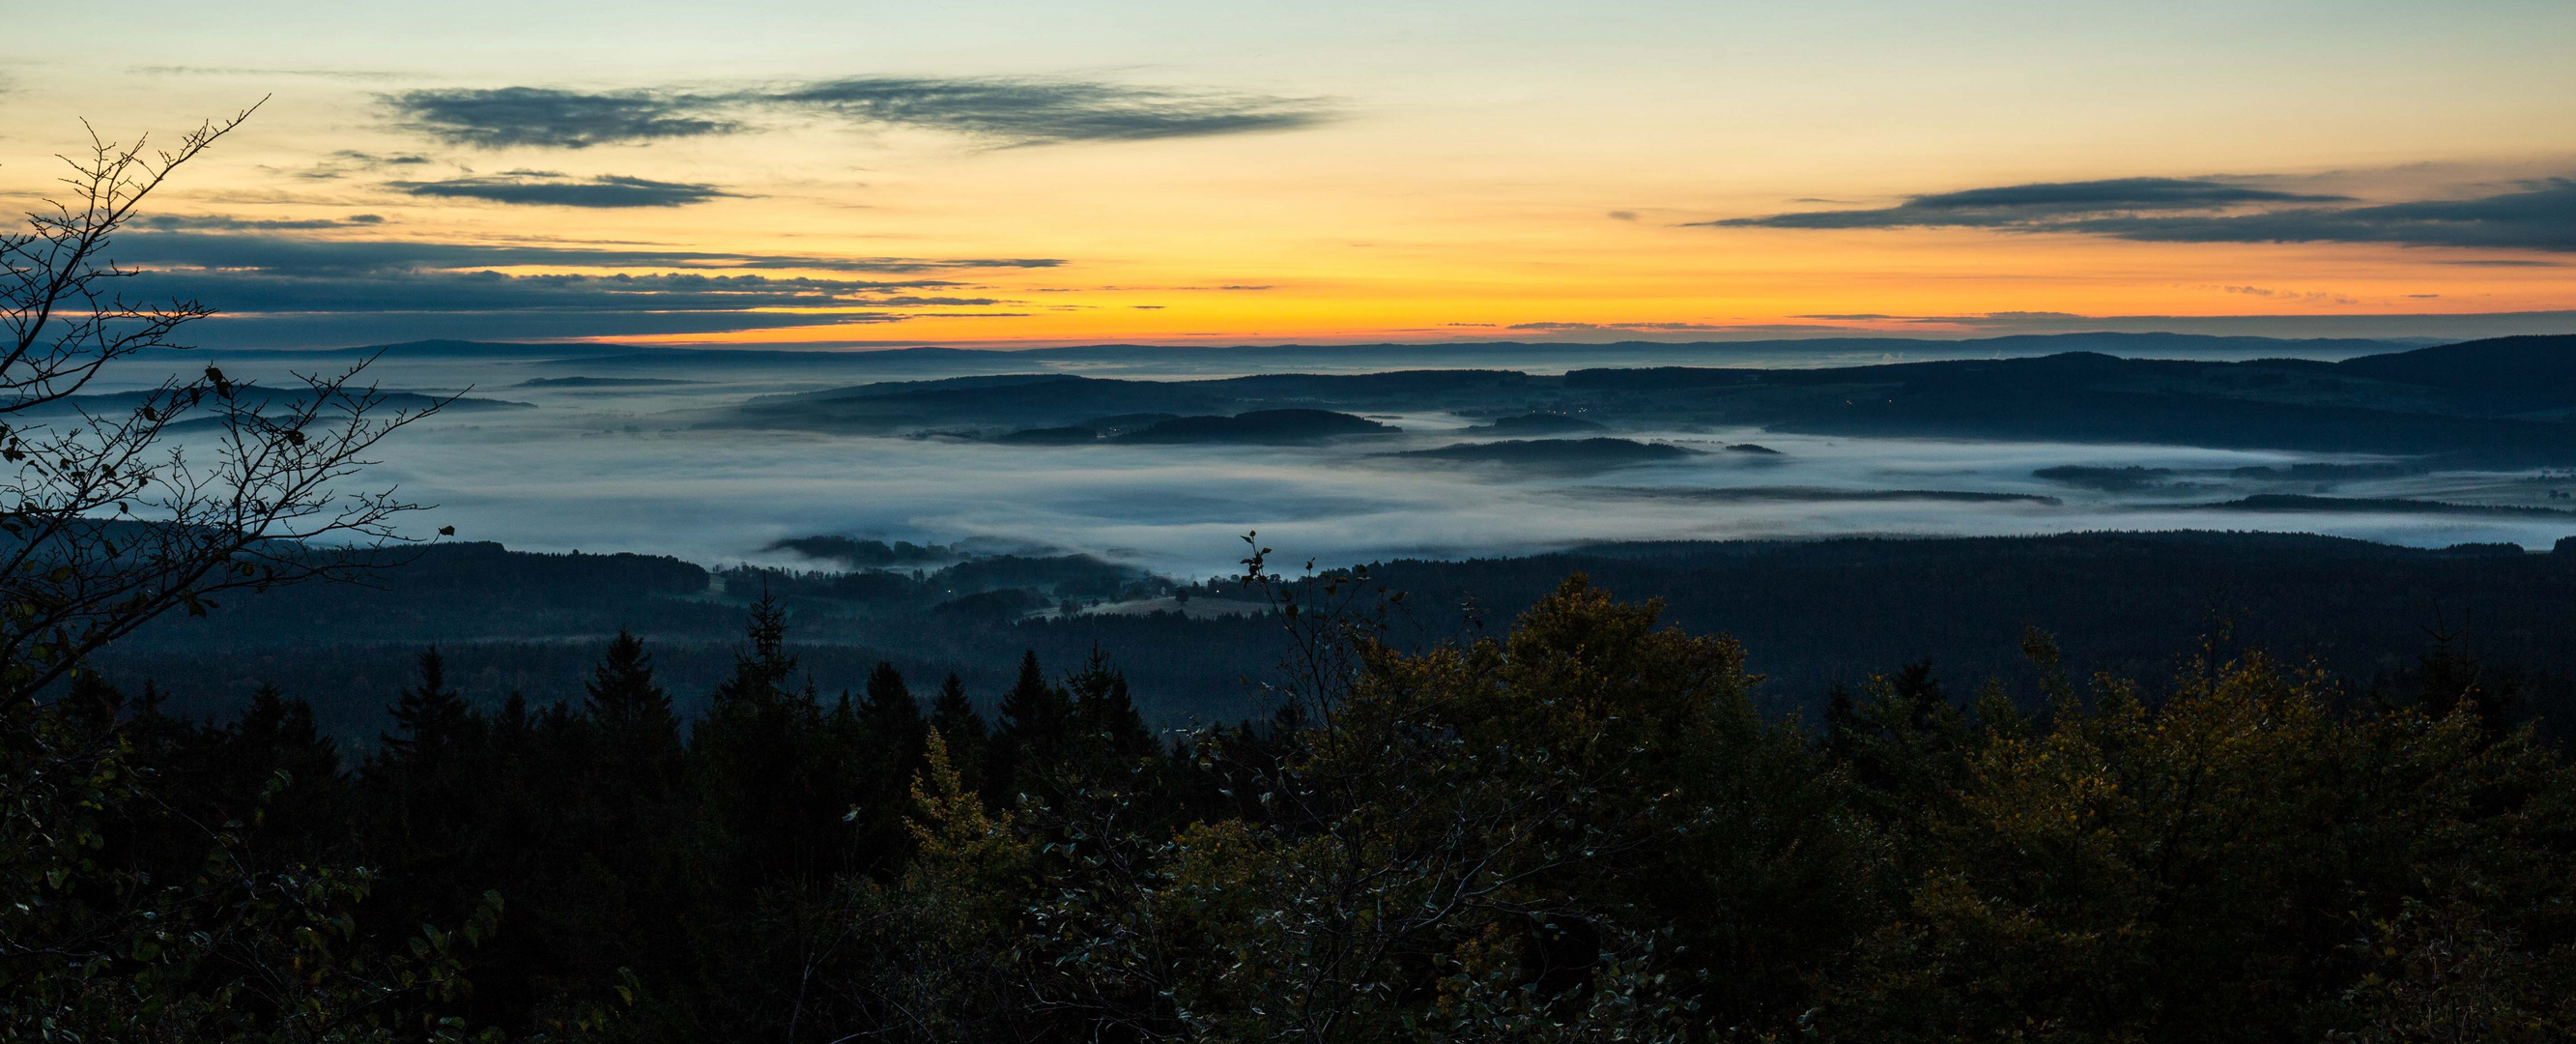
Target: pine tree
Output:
[(1035, 731), (760, 673), (893, 717), (1034, 709), (433, 722), (623, 696), (1105, 721), (962, 729), (889, 746), (777, 776), (2449, 680)]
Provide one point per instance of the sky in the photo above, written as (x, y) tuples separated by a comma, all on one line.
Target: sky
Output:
[(997, 174)]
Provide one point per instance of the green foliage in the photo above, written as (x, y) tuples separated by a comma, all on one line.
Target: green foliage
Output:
[(101, 942), (2233, 861), (1581, 828)]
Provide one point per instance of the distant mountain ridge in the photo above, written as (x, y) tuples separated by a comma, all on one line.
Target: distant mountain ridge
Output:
[(1391, 354), (2493, 402)]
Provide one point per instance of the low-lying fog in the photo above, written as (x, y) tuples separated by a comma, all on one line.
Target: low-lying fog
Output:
[(621, 468)]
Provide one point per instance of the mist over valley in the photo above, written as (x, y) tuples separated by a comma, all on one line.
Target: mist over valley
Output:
[(967, 503)]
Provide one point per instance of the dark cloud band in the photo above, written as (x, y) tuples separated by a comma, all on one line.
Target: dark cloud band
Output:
[(309, 256), (494, 291), (228, 223), (2538, 215), (1007, 111), (304, 290), (1032, 112), (510, 116), (604, 191)]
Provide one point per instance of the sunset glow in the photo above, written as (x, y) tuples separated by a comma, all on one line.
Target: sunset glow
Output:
[(1001, 174)]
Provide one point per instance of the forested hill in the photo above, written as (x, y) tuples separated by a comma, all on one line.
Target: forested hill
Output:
[(2502, 402), (1809, 612)]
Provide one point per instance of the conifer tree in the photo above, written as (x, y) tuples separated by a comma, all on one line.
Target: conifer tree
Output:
[(760, 672), (1104, 714), (1036, 726), (962, 728), (886, 750), (892, 716), (278, 734), (431, 719), (2448, 681), (776, 776), (623, 695), (434, 803), (1035, 711)]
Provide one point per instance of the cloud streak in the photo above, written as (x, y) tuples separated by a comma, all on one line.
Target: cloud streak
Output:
[(2013, 206), (556, 190), (495, 291), (2539, 216), (228, 223), (2533, 215), (535, 116), (306, 255), (1038, 112), (1007, 111), (277, 287)]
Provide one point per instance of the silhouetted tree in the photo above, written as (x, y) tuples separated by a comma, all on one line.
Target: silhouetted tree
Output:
[(2449, 681), (621, 693), (962, 727), (1105, 723), (892, 716), (108, 527), (1033, 737), (432, 723)]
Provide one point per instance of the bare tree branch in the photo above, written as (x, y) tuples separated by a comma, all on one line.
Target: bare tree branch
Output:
[(114, 510)]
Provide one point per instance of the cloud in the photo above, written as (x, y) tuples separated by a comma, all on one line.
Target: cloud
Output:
[(2427, 326), (545, 188), (450, 291), (2541, 215), (513, 116), (306, 255), (328, 329), (1617, 326), (228, 223), (2308, 296), (1034, 112), (346, 161), (2448, 326), (207, 70), (2019, 205), (1005, 110), (276, 287), (2535, 215)]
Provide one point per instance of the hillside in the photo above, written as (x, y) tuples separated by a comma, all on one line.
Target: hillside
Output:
[(2496, 403)]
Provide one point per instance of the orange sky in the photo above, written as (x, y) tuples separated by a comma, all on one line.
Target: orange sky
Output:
[(1490, 171)]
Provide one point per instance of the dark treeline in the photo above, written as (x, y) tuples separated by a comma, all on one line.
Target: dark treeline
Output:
[(1581, 827), (1811, 614), (683, 877)]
